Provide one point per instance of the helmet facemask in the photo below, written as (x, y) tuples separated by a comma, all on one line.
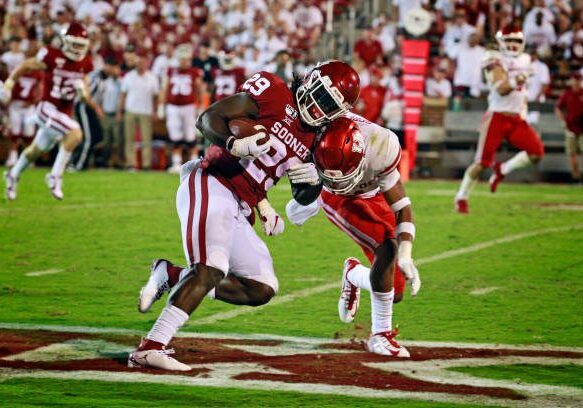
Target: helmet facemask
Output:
[(511, 44), (75, 48), (319, 101), (340, 183)]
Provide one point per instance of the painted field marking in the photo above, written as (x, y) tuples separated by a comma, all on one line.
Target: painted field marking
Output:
[(562, 207), (45, 272), (451, 193), (58, 328), (428, 374), (241, 310), (483, 291)]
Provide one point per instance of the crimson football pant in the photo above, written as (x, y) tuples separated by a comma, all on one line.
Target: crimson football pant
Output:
[(369, 221)]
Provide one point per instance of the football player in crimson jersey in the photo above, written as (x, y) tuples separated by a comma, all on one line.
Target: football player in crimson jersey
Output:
[(363, 196), (506, 71), (227, 78), (181, 90), (226, 258), (65, 77), (24, 96)]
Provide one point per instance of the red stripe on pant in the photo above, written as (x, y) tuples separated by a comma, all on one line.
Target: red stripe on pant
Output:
[(203, 214), (191, 191)]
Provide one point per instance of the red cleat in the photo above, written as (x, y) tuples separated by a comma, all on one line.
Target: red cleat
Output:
[(496, 177), (462, 206)]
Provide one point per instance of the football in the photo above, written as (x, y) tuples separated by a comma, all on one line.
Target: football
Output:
[(244, 127)]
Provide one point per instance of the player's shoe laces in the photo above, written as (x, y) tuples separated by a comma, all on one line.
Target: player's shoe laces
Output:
[(462, 206), (156, 286), (496, 177), (11, 184), (349, 294), (155, 358), (55, 184), (385, 344)]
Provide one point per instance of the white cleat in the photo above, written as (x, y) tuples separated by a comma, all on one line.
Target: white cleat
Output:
[(349, 295), (159, 359), (55, 184), (11, 184), (156, 286), (385, 344)]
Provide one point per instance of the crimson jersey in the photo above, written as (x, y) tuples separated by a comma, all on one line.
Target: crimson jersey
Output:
[(250, 179), (227, 81), (61, 77), (181, 85), (27, 88)]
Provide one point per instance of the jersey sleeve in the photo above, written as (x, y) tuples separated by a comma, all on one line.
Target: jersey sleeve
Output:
[(267, 90), (387, 173), (44, 55)]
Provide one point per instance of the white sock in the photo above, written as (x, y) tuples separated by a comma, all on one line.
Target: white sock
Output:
[(176, 159), (359, 276), (382, 311), (518, 161), (170, 320), (12, 155), (468, 183), (61, 162), (21, 164)]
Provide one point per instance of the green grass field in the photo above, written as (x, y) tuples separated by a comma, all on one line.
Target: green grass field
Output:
[(100, 241)]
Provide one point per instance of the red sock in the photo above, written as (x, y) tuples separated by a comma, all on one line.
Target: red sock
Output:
[(148, 344), (173, 274)]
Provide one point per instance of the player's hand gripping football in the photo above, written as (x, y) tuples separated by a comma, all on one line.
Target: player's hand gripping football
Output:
[(6, 91), (249, 146), (304, 173), (407, 266), (272, 223)]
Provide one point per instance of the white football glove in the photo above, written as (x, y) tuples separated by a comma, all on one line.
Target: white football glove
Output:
[(247, 146), (272, 223), (407, 266), (304, 173), (6, 91)]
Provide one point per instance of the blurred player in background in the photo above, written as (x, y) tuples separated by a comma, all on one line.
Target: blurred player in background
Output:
[(227, 259), (364, 197), (181, 90), (23, 98), (506, 72), (65, 78), (569, 110), (228, 77)]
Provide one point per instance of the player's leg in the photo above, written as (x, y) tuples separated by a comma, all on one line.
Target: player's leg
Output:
[(176, 136), (15, 126), (189, 122), (369, 223), (207, 211), (491, 135), (571, 148), (54, 179), (129, 130), (251, 280), (48, 134), (525, 138)]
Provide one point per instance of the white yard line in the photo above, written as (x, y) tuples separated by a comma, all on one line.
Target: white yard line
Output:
[(83, 206), (45, 272), (423, 261), (275, 337), (451, 193), (483, 291)]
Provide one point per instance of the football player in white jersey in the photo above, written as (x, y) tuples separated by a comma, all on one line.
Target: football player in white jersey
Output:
[(363, 196), (506, 72)]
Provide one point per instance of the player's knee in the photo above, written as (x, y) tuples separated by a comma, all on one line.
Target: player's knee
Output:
[(387, 250), (262, 294), (537, 155), (398, 297), (72, 139), (32, 152)]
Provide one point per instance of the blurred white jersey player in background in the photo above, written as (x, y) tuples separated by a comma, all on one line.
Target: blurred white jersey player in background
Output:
[(506, 72), (363, 196)]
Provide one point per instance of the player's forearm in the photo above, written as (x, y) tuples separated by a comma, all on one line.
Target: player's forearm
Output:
[(25, 66), (405, 215), (305, 193)]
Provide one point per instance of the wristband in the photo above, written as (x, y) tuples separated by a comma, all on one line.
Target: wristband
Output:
[(407, 227), (400, 204)]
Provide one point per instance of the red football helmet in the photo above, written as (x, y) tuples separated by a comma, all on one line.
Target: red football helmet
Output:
[(75, 41), (511, 41), (328, 91), (339, 155)]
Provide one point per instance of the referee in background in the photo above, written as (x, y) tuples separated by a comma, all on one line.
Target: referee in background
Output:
[(89, 120)]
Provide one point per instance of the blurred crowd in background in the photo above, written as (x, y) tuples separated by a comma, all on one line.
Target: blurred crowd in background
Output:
[(239, 37)]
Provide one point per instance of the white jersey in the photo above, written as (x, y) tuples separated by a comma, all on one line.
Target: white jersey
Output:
[(382, 156), (515, 101)]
